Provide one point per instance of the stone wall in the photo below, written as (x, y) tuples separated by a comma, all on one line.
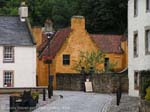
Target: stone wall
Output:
[(144, 106), (102, 83)]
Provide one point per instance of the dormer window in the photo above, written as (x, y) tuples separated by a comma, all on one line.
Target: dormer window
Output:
[(8, 54)]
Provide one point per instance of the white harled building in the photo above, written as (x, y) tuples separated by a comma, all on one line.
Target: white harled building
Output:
[(17, 51), (139, 42)]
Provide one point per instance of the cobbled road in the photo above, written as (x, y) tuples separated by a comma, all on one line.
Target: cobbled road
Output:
[(77, 102)]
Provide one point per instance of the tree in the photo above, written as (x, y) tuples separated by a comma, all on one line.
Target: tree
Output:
[(61, 13), (88, 60), (9, 7), (35, 15), (102, 16)]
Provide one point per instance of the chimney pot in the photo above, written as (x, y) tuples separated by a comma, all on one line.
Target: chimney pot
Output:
[(23, 11), (48, 27)]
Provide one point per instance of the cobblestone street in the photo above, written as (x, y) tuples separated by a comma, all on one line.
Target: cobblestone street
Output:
[(77, 102), (127, 104), (71, 102), (80, 102)]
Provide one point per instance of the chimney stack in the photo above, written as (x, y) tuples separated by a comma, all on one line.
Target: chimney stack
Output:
[(48, 26), (78, 23), (23, 11)]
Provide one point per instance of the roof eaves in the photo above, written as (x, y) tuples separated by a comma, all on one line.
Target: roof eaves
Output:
[(42, 50), (30, 31)]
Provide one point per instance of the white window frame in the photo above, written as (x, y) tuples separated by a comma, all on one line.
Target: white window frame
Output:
[(8, 56), (8, 79)]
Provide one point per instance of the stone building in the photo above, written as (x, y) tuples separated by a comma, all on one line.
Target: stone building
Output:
[(67, 43), (17, 52), (138, 41)]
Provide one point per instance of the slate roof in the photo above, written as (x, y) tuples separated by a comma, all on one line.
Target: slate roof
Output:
[(106, 43), (14, 32)]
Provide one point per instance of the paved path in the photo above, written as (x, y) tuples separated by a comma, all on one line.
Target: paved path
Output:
[(4, 103), (127, 104), (77, 102)]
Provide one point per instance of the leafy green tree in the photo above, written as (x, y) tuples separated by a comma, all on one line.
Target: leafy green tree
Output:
[(102, 16), (35, 7), (9, 7), (61, 13), (2, 3), (88, 60)]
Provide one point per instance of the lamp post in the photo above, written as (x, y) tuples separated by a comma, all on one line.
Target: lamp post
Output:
[(83, 73), (119, 90), (50, 78)]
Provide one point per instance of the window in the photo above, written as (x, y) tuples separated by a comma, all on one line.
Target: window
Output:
[(147, 42), (136, 80), (106, 64), (135, 7), (66, 59), (8, 79), (8, 54), (135, 45), (147, 5)]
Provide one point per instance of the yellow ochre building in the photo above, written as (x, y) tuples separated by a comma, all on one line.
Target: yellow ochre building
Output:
[(66, 45)]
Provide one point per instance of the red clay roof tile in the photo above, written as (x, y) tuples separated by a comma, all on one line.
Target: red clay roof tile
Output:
[(106, 43), (56, 42)]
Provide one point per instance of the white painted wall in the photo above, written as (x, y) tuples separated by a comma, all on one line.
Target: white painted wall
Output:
[(142, 62), (24, 66)]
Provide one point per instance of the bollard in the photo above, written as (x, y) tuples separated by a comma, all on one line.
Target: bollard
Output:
[(44, 95), (49, 92), (12, 104), (118, 97), (120, 89), (120, 93)]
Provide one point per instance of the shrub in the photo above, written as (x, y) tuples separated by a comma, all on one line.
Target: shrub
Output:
[(145, 85), (35, 95), (147, 96)]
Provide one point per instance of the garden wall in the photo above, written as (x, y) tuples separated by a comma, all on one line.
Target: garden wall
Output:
[(145, 106), (102, 83)]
